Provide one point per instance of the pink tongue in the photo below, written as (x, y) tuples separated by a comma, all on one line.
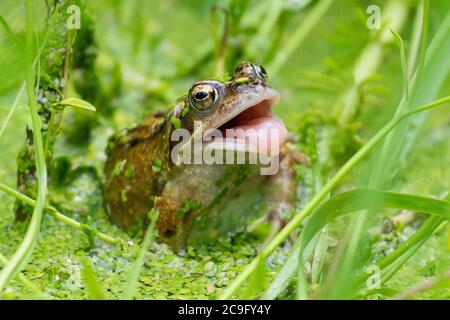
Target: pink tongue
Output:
[(265, 135)]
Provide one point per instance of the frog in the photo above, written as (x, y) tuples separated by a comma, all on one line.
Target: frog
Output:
[(200, 202)]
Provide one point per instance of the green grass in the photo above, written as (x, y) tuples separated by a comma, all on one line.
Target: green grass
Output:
[(23, 253)]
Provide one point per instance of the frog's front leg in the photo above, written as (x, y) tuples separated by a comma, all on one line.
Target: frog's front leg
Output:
[(282, 194)]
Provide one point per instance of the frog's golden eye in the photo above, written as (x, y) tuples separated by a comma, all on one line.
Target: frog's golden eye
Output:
[(202, 97)]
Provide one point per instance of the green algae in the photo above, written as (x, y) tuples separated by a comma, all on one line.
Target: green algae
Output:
[(57, 261)]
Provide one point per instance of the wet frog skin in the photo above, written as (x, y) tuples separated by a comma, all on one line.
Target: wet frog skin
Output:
[(199, 202)]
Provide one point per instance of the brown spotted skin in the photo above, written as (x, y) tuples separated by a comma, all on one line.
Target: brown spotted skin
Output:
[(132, 185), (129, 192)]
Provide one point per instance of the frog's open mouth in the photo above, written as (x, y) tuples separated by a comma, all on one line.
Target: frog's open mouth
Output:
[(254, 129)]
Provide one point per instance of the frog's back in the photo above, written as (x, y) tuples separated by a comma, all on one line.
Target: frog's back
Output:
[(135, 170)]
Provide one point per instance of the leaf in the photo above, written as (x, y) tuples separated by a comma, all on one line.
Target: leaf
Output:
[(284, 276), (361, 199), (76, 103), (93, 285), (136, 268), (256, 281), (433, 68), (401, 46)]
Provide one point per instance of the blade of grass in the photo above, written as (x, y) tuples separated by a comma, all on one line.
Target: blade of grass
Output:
[(22, 88), (284, 276), (319, 255), (424, 38), (49, 79), (415, 40), (299, 35), (320, 242), (27, 283), (150, 234), (57, 215), (370, 59), (302, 277), (93, 285), (23, 253), (321, 246), (425, 230), (256, 281), (431, 226), (392, 269), (404, 64)]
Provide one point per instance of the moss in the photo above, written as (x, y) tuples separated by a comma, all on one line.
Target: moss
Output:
[(165, 275), (184, 112), (176, 122), (130, 171), (119, 167), (123, 196), (156, 165), (188, 205)]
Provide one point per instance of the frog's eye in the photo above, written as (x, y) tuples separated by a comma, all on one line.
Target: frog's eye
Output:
[(202, 97)]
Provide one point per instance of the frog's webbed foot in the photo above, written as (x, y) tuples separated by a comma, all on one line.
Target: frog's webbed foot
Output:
[(172, 229)]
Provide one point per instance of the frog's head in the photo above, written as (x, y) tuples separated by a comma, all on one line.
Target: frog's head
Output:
[(241, 104)]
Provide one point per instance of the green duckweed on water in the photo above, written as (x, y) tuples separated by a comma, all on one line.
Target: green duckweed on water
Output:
[(56, 264)]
